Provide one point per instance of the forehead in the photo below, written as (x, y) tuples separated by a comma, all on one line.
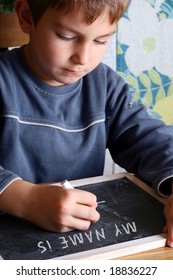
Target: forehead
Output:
[(91, 9), (77, 19)]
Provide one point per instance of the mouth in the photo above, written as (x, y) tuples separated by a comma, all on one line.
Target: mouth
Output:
[(74, 72)]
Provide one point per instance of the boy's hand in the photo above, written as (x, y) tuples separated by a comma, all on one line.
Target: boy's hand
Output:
[(50, 207), (58, 209), (168, 211)]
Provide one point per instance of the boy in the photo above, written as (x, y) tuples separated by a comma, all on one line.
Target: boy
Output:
[(60, 109)]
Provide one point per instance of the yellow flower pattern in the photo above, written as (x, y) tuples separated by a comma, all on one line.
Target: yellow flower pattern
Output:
[(145, 54)]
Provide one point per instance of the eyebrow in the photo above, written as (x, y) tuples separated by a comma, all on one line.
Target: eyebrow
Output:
[(79, 33), (107, 35)]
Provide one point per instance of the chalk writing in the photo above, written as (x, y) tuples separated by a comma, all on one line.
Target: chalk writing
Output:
[(128, 228), (101, 202), (75, 240), (44, 246), (81, 238), (87, 237)]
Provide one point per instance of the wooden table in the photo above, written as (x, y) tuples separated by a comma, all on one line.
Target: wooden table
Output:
[(163, 253)]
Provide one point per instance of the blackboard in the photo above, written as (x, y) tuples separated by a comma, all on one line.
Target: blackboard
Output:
[(127, 213)]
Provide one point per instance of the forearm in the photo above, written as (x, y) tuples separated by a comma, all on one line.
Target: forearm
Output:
[(16, 198)]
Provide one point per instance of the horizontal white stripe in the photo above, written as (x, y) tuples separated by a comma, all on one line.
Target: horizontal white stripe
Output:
[(53, 126)]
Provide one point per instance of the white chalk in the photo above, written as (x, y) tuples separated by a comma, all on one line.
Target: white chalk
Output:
[(100, 202), (66, 184)]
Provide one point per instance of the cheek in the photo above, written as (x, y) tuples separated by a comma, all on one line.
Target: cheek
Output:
[(56, 53), (48, 54), (97, 58)]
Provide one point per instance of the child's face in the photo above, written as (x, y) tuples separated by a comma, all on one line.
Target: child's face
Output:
[(63, 48)]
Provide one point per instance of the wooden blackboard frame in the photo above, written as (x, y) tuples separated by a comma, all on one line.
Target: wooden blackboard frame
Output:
[(124, 248)]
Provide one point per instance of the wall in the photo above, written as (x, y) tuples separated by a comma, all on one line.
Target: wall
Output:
[(145, 55)]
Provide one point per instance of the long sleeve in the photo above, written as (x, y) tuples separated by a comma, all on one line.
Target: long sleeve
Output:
[(138, 142), (6, 177)]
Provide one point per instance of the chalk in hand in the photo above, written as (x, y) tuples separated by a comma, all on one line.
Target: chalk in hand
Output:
[(66, 184)]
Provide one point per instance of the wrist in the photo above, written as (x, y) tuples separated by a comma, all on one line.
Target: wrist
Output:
[(15, 199)]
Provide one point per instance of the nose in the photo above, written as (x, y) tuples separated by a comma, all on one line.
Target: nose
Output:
[(81, 54)]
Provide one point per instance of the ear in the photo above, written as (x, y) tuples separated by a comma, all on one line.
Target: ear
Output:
[(24, 15)]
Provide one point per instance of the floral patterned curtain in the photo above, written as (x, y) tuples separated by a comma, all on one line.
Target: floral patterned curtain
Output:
[(145, 54)]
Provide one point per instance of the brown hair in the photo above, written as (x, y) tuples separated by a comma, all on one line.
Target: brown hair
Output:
[(92, 8)]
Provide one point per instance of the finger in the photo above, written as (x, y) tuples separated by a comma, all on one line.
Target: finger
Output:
[(165, 229), (64, 229), (80, 224), (86, 198), (77, 196), (80, 218), (73, 223), (170, 235), (85, 212)]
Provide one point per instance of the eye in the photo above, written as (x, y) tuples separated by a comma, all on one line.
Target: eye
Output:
[(100, 42), (65, 38)]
